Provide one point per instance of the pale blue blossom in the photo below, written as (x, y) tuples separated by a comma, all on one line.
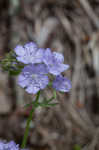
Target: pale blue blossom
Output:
[(33, 78), (62, 84), (29, 53), (9, 146), (54, 62)]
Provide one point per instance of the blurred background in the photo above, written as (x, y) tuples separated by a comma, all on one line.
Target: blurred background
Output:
[(72, 28)]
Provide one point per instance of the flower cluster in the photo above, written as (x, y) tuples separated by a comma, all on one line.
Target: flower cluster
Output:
[(39, 63), (9, 146)]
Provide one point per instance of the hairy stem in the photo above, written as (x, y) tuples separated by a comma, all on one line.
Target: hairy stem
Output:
[(24, 142)]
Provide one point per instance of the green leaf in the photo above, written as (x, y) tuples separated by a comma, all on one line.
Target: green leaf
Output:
[(47, 105), (14, 72), (49, 100), (77, 147), (50, 84), (28, 105), (10, 64), (53, 104), (54, 94)]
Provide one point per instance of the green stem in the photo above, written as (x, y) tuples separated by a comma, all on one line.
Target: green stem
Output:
[(24, 142), (27, 129)]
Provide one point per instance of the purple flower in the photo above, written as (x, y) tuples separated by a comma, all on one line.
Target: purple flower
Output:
[(33, 78), (62, 84), (54, 62), (29, 53), (9, 146)]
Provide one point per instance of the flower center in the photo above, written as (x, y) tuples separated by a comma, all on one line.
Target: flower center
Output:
[(51, 65), (34, 76)]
